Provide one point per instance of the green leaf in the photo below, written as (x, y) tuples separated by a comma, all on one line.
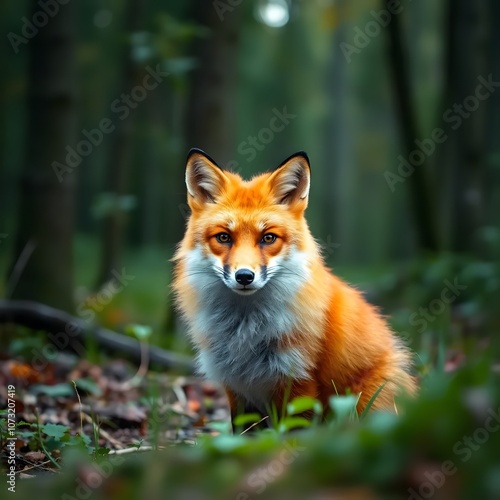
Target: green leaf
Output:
[(293, 423), (57, 390), (304, 403), (220, 427), (76, 441), (372, 400), (25, 345), (54, 430), (227, 443), (246, 418), (101, 452), (22, 423), (135, 445), (383, 422), (26, 435), (140, 332), (51, 444), (344, 407), (88, 386)]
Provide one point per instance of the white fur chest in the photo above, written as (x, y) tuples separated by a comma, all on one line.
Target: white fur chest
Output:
[(240, 337)]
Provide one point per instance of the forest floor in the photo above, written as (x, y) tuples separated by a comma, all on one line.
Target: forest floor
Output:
[(103, 409), (173, 433)]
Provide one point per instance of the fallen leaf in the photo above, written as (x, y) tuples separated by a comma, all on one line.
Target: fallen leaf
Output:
[(24, 372), (35, 456)]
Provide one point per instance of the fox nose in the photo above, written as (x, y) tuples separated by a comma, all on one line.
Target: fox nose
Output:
[(244, 276)]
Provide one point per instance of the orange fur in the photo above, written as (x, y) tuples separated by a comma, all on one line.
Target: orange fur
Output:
[(338, 337)]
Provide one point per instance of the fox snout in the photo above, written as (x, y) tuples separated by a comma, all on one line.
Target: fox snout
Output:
[(244, 280), (244, 276)]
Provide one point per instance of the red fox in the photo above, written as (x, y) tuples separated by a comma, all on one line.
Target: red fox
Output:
[(268, 319)]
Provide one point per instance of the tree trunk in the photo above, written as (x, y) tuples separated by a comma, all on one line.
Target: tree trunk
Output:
[(47, 205), (211, 109), (421, 195), (339, 148), (74, 332), (492, 180), (120, 156), (464, 149)]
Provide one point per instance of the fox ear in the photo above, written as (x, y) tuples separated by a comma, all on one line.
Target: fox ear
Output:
[(204, 178), (290, 181)]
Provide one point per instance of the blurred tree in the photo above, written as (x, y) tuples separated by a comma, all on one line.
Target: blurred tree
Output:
[(120, 156), (163, 130), (339, 137), (422, 197), (465, 179), (211, 109), (492, 181), (42, 268)]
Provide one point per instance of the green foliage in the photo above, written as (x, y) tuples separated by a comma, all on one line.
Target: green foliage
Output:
[(246, 420), (344, 408), (303, 412), (345, 119), (25, 342), (140, 332), (452, 426), (301, 405), (368, 406), (51, 437), (437, 301), (66, 388), (304, 403), (291, 423), (4, 434)]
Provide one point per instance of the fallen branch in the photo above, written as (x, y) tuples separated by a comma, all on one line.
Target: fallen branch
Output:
[(41, 317), (126, 451)]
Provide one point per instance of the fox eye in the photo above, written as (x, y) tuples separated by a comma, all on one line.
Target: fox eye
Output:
[(268, 239), (223, 238)]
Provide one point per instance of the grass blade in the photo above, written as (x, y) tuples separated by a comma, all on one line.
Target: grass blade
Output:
[(372, 400)]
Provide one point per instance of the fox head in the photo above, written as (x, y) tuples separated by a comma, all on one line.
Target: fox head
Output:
[(246, 234)]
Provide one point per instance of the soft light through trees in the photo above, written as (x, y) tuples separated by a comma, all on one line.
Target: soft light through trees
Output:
[(273, 13)]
